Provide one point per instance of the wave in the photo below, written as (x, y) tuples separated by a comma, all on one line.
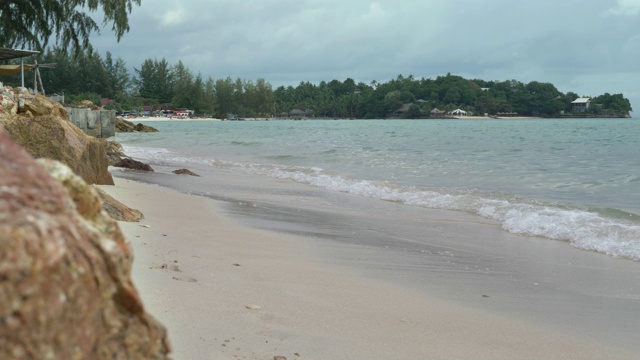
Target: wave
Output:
[(583, 229), (609, 231), (245, 143)]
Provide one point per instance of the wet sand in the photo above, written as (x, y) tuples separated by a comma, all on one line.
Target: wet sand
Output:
[(226, 290)]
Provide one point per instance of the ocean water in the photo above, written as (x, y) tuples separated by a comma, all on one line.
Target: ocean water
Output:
[(576, 181)]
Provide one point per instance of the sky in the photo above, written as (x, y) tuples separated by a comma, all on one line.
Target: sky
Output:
[(589, 47)]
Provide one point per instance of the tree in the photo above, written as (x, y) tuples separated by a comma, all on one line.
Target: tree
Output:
[(224, 90), (183, 84), (32, 23), (119, 79), (155, 80)]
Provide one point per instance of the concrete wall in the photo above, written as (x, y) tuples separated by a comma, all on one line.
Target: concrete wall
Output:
[(97, 123)]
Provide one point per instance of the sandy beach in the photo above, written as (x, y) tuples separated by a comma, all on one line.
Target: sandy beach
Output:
[(225, 290)]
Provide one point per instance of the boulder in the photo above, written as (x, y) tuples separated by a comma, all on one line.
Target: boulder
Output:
[(115, 153), (43, 128), (117, 210), (184, 172), (123, 125), (133, 164), (144, 128), (88, 104), (65, 270)]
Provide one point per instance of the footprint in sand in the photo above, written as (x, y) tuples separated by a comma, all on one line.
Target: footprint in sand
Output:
[(165, 266), (175, 268)]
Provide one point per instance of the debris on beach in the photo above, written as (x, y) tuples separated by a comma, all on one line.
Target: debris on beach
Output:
[(254, 307)]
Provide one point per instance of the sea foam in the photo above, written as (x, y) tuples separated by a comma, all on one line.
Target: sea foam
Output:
[(583, 229)]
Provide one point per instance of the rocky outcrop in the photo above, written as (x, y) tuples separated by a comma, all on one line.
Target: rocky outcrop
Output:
[(123, 125), (115, 153), (117, 210), (43, 128), (65, 270), (184, 172), (133, 164), (87, 104)]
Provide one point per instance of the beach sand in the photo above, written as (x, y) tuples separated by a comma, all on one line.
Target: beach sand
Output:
[(228, 291)]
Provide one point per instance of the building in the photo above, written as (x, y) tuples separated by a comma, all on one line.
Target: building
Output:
[(581, 104), (458, 112)]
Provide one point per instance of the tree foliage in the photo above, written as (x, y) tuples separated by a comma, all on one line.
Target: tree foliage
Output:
[(157, 82), (32, 23)]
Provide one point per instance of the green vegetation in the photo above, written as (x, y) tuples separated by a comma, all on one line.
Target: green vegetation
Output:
[(31, 23), (156, 82)]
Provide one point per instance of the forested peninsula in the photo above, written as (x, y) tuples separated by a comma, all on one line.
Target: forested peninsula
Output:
[(158, 85)]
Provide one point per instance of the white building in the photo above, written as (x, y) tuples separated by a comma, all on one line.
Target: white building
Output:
[(581, 104)]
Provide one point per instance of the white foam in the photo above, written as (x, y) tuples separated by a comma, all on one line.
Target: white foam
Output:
[(583, 229)]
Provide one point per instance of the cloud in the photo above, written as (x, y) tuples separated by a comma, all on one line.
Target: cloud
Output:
[(173, 17), (569, 43), (626, 8)]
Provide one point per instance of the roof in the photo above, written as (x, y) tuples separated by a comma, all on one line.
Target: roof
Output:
[(581, 101), (6, 70), (6, 54)]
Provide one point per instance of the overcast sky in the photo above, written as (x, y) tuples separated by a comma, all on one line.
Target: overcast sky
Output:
[(586, 46)]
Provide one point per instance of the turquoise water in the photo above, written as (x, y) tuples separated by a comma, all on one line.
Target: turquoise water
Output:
[(569, 180)]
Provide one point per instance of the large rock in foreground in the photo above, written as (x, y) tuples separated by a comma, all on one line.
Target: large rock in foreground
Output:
[(43, 128), (65, 286)]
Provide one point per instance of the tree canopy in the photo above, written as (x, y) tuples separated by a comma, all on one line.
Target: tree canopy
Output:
[(32, 23), (89, 76)]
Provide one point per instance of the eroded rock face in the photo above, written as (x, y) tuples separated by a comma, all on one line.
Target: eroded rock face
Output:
[(43, 128), (65, 286)]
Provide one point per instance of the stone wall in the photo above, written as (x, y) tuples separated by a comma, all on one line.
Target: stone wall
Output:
[(97, 123)]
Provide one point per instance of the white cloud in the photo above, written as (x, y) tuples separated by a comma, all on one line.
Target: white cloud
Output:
[(173, 17), (569, 43), (626, 7)]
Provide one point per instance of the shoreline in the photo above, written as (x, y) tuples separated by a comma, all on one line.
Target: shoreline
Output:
[(161, 119), (201, 274)]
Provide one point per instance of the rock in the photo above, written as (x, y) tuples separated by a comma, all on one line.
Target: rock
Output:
[(88, 104), (65, 270), (144, 128), (39, 105), (133, 164), (115, 153), (117, 210), (42, 127), (123, 125), (184, 172)]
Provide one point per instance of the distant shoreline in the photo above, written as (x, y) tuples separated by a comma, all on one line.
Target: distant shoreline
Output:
[(159, 119)]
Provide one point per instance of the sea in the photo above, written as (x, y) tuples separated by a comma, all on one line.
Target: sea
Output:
[(568, 180)]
